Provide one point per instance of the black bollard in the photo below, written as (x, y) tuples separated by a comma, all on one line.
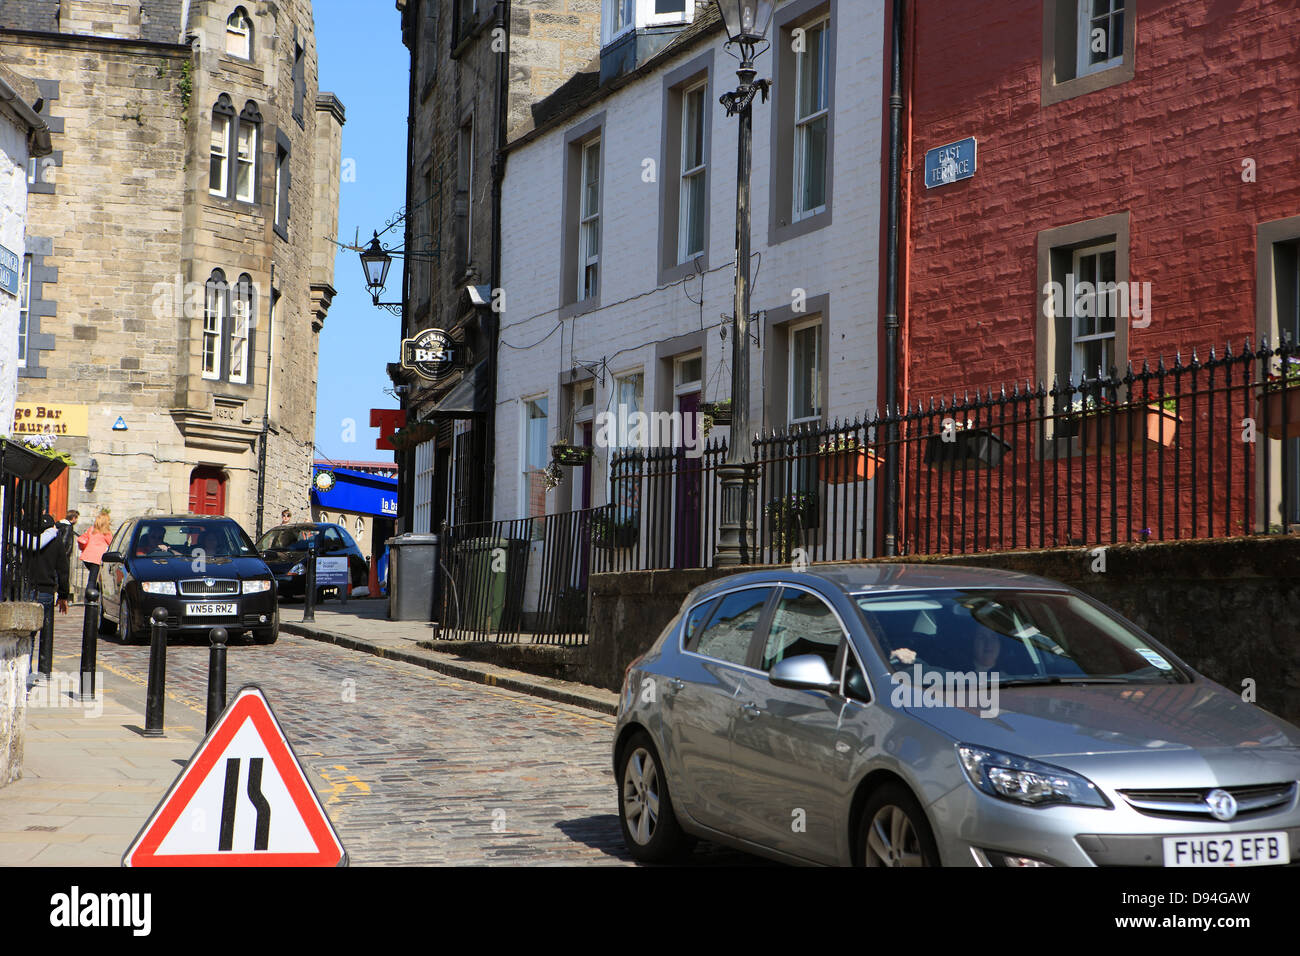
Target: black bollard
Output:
[(89, 644), (309, 610), (216, 675), (153, 700)]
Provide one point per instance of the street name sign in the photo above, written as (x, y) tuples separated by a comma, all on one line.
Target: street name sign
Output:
[(951, 163), (242, 800)]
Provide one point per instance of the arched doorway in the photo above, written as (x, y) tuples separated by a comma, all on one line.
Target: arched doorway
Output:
[(207, 491)]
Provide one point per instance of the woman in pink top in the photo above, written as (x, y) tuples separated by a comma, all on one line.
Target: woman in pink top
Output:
[(93, 544)]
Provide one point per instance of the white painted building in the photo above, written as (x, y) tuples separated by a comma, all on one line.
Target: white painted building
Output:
[(24, 139)]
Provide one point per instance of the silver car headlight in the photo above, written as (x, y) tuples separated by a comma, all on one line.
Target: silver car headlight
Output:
[(158, 587), (256, 587), (299, 568), (1027, 782)]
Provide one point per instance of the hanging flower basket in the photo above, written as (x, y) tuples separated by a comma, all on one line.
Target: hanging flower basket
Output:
[(719, 413), (571, 455), (1280, 402), (843, 461), (415, 434), (1127, 426), (969, 448)]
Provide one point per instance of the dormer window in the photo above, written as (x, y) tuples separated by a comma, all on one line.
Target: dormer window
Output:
[(239, 34), (619, 17)]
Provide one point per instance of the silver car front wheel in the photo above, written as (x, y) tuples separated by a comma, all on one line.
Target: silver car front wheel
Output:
[(894, 831)]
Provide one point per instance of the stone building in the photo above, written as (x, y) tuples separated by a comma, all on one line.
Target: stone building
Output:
[(477, 71), (24, 140), (180, 270)]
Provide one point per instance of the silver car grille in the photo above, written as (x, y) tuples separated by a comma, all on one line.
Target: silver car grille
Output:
[(205, 586), (1191, 803)]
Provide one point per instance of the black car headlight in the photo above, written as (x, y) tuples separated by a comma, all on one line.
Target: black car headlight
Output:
[(1027, 782), (256, 587), (158, 587)]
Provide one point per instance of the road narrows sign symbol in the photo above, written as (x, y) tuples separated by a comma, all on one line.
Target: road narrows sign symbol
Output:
[(242, 800)]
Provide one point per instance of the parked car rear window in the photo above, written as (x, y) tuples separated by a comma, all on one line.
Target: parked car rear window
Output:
[(1019, 635)]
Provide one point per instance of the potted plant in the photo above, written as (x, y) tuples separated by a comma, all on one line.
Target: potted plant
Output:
[(552, 476), (963, 447), (787, 517), (33, 457), (715, 413), (1280, 400), (1104, 424), (610, 532), (416, 433), (844, 459), (562, 453)]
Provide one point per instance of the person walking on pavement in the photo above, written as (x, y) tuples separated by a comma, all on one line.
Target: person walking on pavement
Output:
[(93, 543), (67, 528), (50, 585)]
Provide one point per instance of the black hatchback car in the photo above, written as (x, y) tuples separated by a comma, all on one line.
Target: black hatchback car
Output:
[(202, 569), (285, 550)]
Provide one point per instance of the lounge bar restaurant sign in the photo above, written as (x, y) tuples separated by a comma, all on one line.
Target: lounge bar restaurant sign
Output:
[(431, 354), (9, 266), (40, 418), (950, 164)]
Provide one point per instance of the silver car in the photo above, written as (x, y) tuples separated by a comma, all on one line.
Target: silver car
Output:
[(909, 715)]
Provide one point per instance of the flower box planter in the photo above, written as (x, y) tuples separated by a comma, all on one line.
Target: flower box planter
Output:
[(970, 448), (571, 455), (847, 466), (1278, 405), (1128, 425)]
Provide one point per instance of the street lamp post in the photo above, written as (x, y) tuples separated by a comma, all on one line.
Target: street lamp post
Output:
[(747, 22)]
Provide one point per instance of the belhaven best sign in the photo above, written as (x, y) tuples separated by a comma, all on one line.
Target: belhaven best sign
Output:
[(242, 800), (431, 354)]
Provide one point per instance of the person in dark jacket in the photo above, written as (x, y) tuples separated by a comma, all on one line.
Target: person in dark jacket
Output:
[(49, 577)]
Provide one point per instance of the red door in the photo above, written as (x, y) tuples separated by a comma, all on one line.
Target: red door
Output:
[(207, 491)]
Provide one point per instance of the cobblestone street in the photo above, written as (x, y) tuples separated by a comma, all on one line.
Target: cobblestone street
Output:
[(413, 767)]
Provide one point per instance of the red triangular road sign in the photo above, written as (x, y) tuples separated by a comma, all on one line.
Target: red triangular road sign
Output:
[(242, 800)]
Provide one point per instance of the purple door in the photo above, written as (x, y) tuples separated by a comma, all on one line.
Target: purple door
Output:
[(686, 523)]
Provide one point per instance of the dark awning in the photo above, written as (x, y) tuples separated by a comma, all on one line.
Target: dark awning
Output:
[(469, 398)]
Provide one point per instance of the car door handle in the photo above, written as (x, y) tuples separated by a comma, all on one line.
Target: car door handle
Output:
[(750, 711), (675, 685)]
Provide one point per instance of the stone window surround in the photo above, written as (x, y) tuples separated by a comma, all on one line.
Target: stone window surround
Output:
[(285, 167), (1056, 248), (666, 354), (40, 304), (1267, 234), (674, 85), (218, 277), (252, 36), (224, 106), (1059, 34), (781, 186), (574, 140), (298, 73), (776, 356)]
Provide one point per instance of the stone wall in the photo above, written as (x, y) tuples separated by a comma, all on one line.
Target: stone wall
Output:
[(17, 623), (1230, 608)]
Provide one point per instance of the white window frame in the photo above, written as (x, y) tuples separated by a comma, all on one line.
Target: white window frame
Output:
[(803, 123), (699, 171), (224, 153), (589, 220), (1083, 35), (240, 311), (651, 19), (819, 403), (422, 510), (240, 24), (612, 14), (214, 325), (527, 468), (1078, 343), (24, 309), (687, 386), (250, 162)]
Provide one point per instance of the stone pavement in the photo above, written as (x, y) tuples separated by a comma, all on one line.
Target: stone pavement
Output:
[(363, 625)]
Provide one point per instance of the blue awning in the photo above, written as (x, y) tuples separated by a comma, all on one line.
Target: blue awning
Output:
[(357, 492)]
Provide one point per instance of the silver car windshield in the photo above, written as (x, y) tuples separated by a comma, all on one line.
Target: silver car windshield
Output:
[(1021, 637)]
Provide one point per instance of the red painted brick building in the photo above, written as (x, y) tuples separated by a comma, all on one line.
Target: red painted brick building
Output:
[(1134, 141)]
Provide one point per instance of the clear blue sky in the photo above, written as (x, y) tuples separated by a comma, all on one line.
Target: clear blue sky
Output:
[(362, 62)]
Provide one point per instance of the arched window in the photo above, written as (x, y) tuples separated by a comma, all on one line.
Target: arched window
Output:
[(239, 34), (215, 307), (241, 320), (223, 119), (247, 137)]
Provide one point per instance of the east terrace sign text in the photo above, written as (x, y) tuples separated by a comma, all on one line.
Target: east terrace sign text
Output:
[(951, 163), (431, 354)]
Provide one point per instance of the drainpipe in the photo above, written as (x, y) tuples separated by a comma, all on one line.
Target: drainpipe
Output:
[(892, 457), (493, 318), (266, 413)]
